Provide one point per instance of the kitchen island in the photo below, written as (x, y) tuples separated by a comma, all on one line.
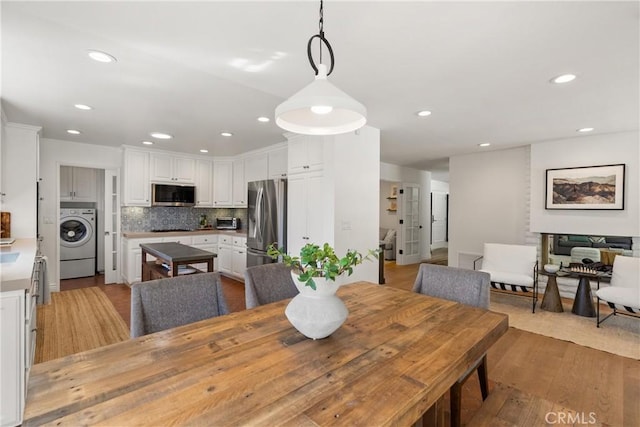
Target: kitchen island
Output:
[(175, 259)]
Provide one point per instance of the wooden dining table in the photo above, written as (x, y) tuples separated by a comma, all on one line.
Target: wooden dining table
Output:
[(395, 356)]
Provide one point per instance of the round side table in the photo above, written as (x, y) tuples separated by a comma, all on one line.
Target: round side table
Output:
[(551, 300)]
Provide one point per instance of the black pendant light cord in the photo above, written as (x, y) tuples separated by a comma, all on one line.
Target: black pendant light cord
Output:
[(323, 40)]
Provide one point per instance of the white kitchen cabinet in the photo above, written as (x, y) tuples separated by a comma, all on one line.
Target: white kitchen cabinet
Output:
[(256, 168), (132, 258), (206, 242), (223, 184), (239, 256), (307, 214), (78, 184), (135, 185), (169, 168), (12, 314), (19, 173), (232, 255), (239, 184), (277, 163), (306, 153), (132, 254), (225, 251), (204, 183), (17, 340)]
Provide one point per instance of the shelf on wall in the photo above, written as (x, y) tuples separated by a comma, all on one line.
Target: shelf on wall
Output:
[(392, 210), (392, 197)]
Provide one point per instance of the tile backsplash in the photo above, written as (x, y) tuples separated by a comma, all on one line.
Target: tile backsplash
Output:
[(138, 219)]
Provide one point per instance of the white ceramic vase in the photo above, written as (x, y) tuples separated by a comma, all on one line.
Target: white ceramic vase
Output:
[(317, 313)]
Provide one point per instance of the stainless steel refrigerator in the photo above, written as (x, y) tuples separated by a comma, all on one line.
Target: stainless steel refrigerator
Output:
[(267, 219)]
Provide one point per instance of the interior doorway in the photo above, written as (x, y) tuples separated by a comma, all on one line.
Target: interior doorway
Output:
[(389, 219), (89, 223), (439, 220)]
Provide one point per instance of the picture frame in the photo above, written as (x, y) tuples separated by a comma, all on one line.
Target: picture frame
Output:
[(586, 188)]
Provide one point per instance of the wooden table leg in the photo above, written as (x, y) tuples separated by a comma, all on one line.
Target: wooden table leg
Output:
[(583, 301), (434, 417), (551, 300), (210, 265)]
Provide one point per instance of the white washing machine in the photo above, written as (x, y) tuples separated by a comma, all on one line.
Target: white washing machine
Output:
[(77, 243)]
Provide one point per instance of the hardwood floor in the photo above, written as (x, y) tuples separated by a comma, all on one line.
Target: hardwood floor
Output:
[(581, 379)]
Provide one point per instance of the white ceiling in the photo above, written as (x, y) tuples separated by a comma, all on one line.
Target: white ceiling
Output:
[(482, 68)]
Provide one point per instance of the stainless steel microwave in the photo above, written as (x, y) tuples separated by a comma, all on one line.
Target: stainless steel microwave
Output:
[(173, 195)]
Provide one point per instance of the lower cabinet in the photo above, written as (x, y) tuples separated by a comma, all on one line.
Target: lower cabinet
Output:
[(232, 255), (231, 251), (17, 340)]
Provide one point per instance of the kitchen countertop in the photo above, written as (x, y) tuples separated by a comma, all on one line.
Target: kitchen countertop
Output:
[(16, 275), (144, 234)]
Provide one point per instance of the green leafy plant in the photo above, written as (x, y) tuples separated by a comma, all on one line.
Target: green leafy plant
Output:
[(320, 261)]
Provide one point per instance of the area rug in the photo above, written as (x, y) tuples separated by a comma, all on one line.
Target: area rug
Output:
[(75, 321), (618, 335)]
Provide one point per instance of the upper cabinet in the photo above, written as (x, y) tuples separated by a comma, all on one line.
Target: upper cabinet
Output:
[(222, 184), (78, 184), (219, 183), (135, 185), (239, 184), (256, 168), (204, 183), (306, 153), (277, 163), (169, 168)]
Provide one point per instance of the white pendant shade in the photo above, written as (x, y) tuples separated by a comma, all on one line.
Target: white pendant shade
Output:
[(336, 112)]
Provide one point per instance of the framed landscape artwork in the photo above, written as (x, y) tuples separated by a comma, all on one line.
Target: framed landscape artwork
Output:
[(588, 187)]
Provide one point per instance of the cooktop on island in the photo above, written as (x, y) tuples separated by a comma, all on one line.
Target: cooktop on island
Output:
[(172, 229)]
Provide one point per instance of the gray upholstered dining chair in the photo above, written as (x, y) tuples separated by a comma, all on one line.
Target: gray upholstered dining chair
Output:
[(467, 287), (264, 284), (162, 304)]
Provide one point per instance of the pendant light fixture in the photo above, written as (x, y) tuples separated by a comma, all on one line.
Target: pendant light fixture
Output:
[(320, 108)]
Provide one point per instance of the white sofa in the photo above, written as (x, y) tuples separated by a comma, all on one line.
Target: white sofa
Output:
[(388, 238)]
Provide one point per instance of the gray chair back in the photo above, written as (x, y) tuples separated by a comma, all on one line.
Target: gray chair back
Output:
[(162, 304), (468, 287), (264, 284)]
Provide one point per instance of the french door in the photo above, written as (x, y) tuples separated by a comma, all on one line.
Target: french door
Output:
[(111, 226), (410, 228)]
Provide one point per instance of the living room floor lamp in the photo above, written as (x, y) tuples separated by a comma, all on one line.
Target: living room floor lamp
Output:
[(320, 108)]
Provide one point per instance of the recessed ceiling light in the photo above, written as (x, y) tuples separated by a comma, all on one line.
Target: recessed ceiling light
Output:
[(226, 134), (96, 55), (263, 119), (565, 78), (424, 113), (147, 142), (160, 135), (204, 151), (585, 130), (83, 107), (73, 131), (484, 144)]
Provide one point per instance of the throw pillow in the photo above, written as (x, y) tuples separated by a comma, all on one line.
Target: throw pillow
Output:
[(391, 234), (581, 239)]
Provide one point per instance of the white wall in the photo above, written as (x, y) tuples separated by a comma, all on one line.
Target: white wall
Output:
[(587, 151), (439, 186), (54, 153), (387, 219), (19, 177), (488, 201), (356, 175), (389, 172)]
